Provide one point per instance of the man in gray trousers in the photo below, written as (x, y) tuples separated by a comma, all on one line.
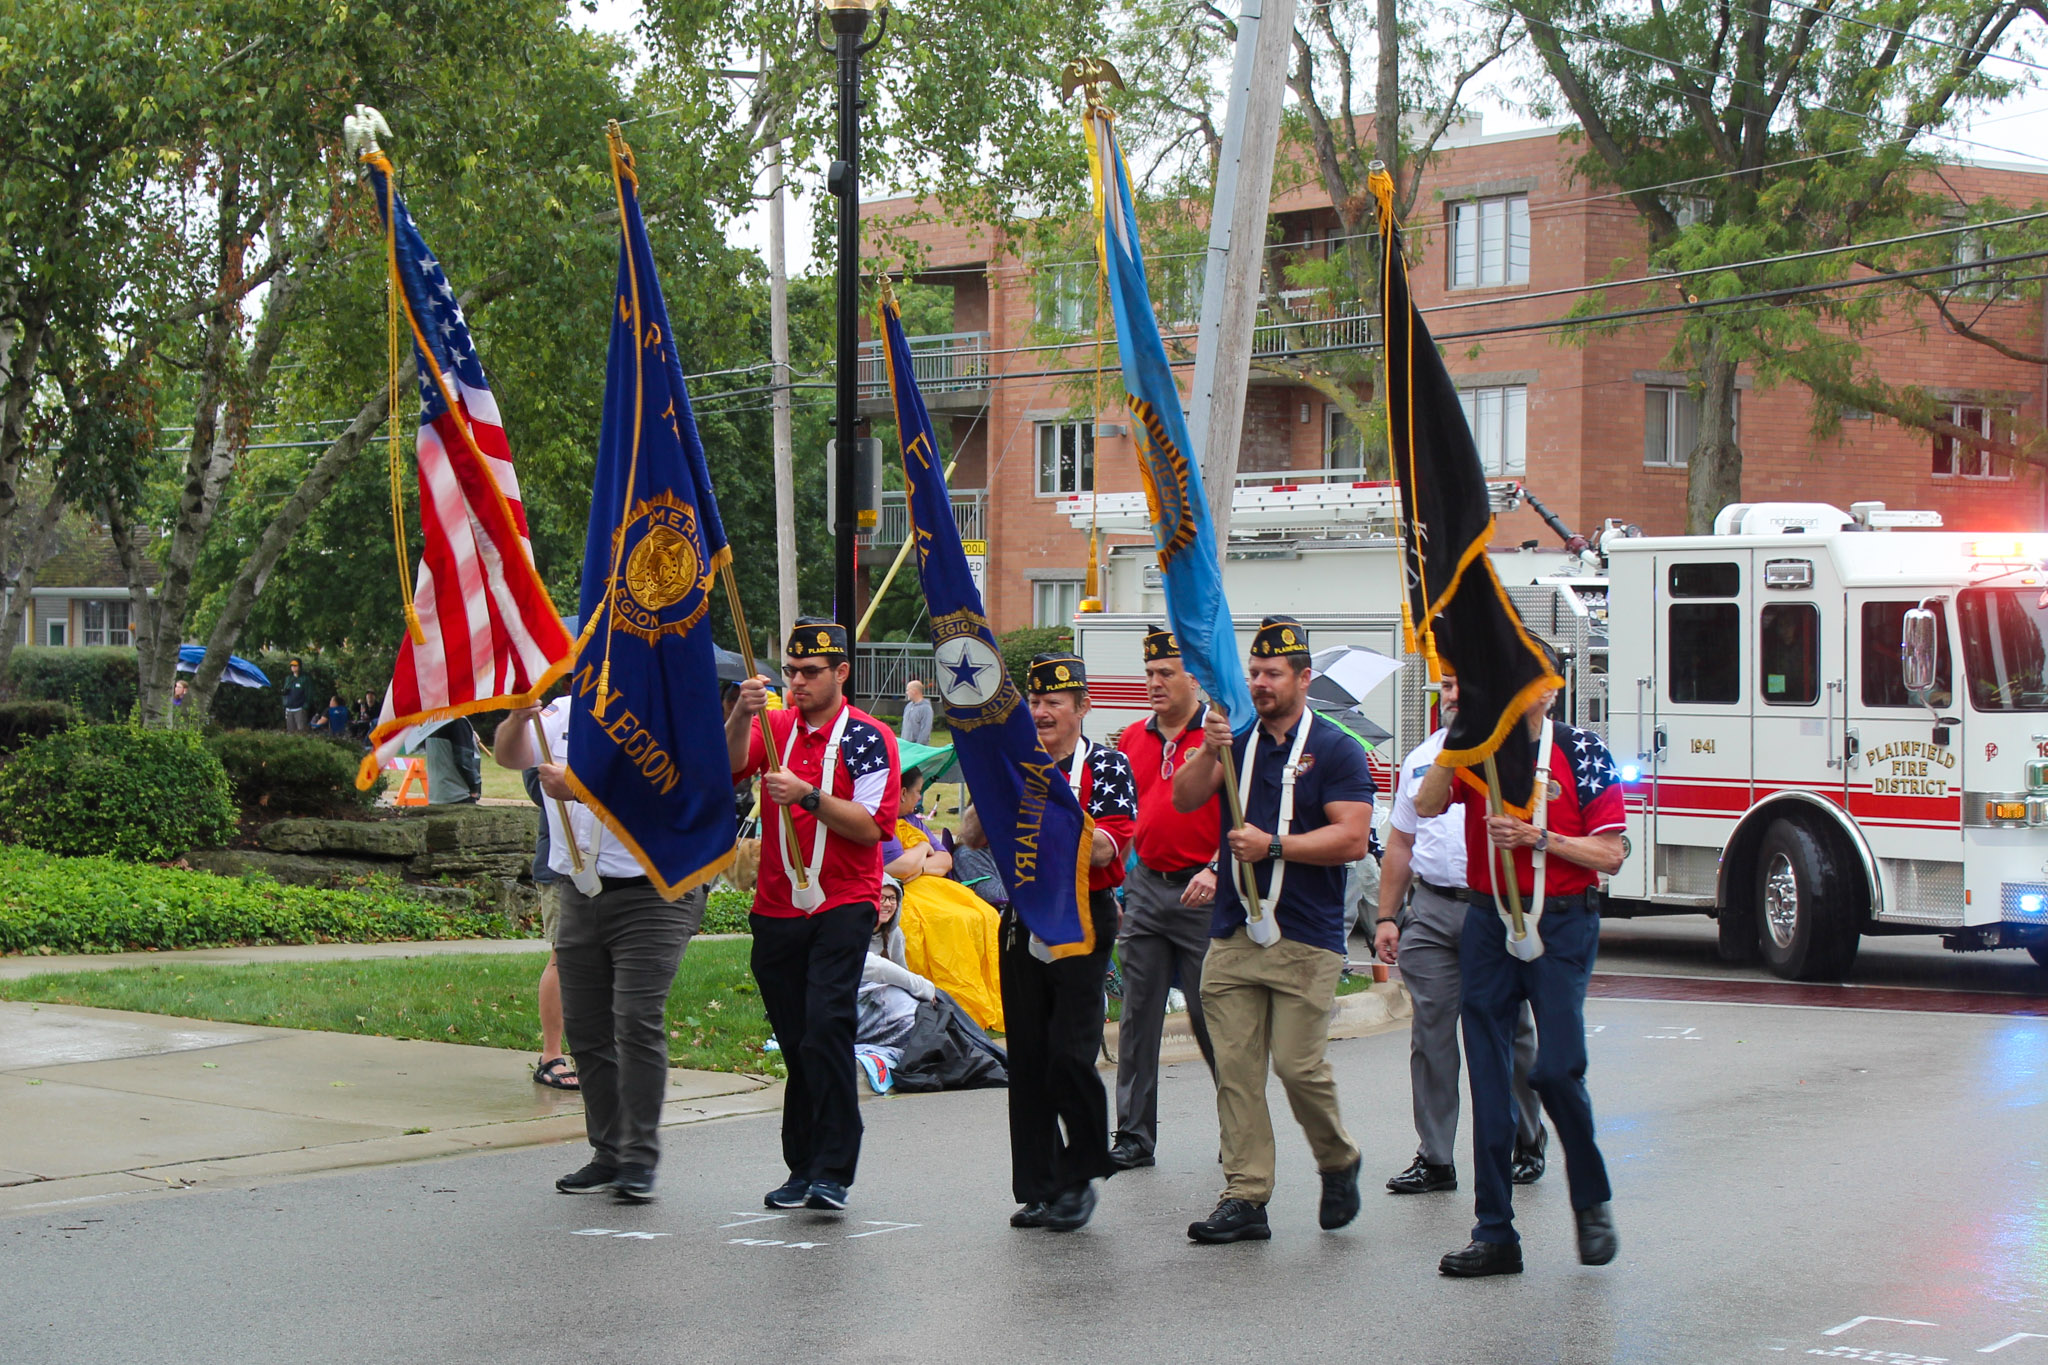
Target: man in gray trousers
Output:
[(1424, 938), (1167, 897), (616, 955)]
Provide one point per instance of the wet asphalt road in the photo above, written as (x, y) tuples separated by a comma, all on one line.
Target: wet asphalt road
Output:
[(1791, 1182)]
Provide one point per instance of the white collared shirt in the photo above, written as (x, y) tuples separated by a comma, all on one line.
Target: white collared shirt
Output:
[(1439, 856), (612, 858)]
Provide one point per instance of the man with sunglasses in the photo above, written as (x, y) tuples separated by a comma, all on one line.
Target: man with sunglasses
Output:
[(1167, 896), (837, 775)]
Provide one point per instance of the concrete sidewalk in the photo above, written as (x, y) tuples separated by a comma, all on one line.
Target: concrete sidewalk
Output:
[(105, 1103)]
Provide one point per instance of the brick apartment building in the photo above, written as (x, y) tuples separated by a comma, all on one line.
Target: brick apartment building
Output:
[(1598, 428)]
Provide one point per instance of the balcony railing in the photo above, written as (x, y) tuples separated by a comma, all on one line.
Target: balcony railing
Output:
[(970, 514), (1295, 327), (955, 362)]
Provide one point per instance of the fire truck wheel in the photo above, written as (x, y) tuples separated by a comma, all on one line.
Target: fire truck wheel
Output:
[(1738, 934), (1806, 911)]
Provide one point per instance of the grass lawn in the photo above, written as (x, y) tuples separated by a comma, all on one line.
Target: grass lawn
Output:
[(715, 1018)]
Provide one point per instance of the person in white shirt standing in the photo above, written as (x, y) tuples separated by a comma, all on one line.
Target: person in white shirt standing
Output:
[(1423, 937), (616, 955)]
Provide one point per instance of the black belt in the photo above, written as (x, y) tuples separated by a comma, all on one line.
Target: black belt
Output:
[(1449, 893), (608, 884), (1485, 901), (1180, 877)]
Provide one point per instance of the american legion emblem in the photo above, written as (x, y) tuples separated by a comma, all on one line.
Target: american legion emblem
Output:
[(663, 588), (972, 676)]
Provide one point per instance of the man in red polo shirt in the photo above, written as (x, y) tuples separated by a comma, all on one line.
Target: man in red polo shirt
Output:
[(814, 906), (1574, 836), (1053, 1007), (1167, 896)]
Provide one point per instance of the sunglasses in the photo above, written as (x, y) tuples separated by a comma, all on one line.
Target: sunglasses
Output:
[(808, 672)]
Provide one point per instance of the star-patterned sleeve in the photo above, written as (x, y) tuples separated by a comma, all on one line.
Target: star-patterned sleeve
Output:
[(869, 752), (1112, 795), (1597, 779)]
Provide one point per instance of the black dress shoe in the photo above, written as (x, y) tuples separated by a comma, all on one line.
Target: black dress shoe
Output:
[(1235, 1220), (1126, 1155), (1423, 1178), (1483, 1258), (1032, 1215), (1071, 1209), (1529, 1162), (1598, 1243), (1340, 1196)]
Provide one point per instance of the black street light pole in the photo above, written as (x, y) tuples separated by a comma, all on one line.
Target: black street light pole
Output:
[(849, 23)]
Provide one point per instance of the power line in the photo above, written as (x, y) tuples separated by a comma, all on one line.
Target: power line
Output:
[(1906, 34)]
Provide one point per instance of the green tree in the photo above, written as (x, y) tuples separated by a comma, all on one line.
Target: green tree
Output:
[(1748, 137)]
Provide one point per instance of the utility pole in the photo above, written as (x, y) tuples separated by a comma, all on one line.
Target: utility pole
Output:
[(1237, 248), (778, 354), (850, 19)]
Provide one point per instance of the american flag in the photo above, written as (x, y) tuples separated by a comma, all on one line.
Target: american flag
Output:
[(492, 635)]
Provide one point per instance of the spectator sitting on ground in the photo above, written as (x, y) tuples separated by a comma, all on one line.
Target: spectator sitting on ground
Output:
[(889, 995), (949, 933)]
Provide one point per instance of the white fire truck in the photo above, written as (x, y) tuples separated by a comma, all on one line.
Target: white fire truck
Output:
[(1832, 724), (1829, 723)]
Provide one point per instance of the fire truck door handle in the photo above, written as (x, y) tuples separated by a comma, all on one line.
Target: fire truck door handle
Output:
[(1661, 741), (1836, 758), (1853, 747), (1642, 685)]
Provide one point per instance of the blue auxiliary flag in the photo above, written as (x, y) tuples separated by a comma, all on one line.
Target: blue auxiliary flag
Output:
[(646, 737), (1195, 606), (1036, 828)]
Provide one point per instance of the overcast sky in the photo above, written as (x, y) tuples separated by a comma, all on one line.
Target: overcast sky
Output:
[(2014, 133)]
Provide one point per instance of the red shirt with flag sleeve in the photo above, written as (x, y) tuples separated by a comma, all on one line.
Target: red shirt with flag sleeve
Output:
[(1168, 840), (1585, 798), (1109, 796), (867, 772)]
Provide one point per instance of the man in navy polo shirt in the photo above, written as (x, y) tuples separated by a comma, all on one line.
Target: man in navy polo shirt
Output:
[(1307, 798), (1573, 837)]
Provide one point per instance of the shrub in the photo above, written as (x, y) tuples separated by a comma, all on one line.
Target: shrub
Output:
[(22, 721), (725, 912), (291, 774), (97, 905), (116, 789), (1020, 645), (101, 683)]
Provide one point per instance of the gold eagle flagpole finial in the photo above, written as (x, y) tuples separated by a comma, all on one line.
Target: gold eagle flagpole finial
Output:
[(1088, 74)]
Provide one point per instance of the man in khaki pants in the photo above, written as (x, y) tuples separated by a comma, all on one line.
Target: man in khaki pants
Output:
[(1307, 799)]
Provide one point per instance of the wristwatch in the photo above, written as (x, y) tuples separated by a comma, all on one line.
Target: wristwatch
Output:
[(1542, 840), (809, 800), (1273, 849)]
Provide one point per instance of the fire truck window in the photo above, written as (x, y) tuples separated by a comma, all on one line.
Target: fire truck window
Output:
[(1706, 651), (1884, 680), (2005, 648), (1706, 580), (1788, 654)]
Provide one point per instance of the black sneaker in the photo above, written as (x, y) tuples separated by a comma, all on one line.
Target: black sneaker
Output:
[(592, 1179), (1235, 1220), (1340, 1196), (1423, 1178), (789, 1194), (828, 1195), (1126, 1155), (634, 1185), (1071, 1210), (1529, 1162), (1032, 1215)]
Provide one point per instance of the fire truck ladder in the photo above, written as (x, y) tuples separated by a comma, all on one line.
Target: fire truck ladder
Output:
[(1308, 501)]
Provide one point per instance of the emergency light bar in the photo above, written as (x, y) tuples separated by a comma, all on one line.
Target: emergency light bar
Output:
[(2013, 547)]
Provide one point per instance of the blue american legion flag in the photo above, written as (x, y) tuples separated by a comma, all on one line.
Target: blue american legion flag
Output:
[(1171, 469), (1036, 828), (646, 733)]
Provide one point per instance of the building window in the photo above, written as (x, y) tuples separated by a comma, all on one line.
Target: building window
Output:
[(1499, 419), (1671, 425), (1490, 242), (104, 623), (1955, 457), (1788, 653), (1180, 281), (55, 633), (1066, 458), (1343, 442), (1054, 601), (1066, 297)]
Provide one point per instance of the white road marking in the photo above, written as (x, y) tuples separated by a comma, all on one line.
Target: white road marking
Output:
[(2015, 1337), (748, 1219), (884, 1227), (1858, 1322)]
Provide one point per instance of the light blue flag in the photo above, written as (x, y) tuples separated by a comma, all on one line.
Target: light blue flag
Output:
[(1195, 606)]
